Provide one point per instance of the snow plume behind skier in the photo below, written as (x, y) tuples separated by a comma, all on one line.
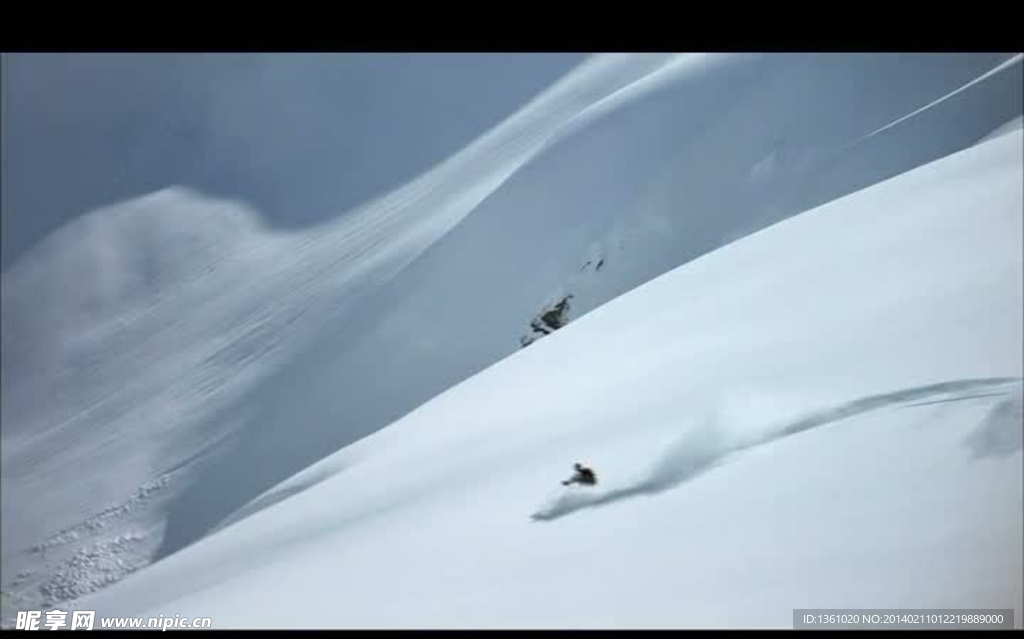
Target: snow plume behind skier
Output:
[(697, 450)]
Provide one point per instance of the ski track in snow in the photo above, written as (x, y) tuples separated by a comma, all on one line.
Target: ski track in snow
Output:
[(1015, 60), (706, 445)]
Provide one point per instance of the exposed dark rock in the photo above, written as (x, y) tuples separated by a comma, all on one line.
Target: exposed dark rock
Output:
[(555, 318), (538, 326), (549, 320)]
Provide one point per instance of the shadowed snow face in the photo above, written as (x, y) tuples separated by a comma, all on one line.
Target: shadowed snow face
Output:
[(300, 137)]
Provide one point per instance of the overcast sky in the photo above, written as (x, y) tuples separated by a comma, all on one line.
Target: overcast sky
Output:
[(302, 137)]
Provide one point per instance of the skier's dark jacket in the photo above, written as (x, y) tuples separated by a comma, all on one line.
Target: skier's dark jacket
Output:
[(583, 475)]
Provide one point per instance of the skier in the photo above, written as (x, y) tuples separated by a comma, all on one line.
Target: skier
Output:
[(583, 475)]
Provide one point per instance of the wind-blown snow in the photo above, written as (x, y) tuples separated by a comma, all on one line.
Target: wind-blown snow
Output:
[(169, 362), (854, 443)]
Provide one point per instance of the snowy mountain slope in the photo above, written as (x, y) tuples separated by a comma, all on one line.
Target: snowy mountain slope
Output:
[(132, 380), (641, 191), (826, 413), (194, 370)]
